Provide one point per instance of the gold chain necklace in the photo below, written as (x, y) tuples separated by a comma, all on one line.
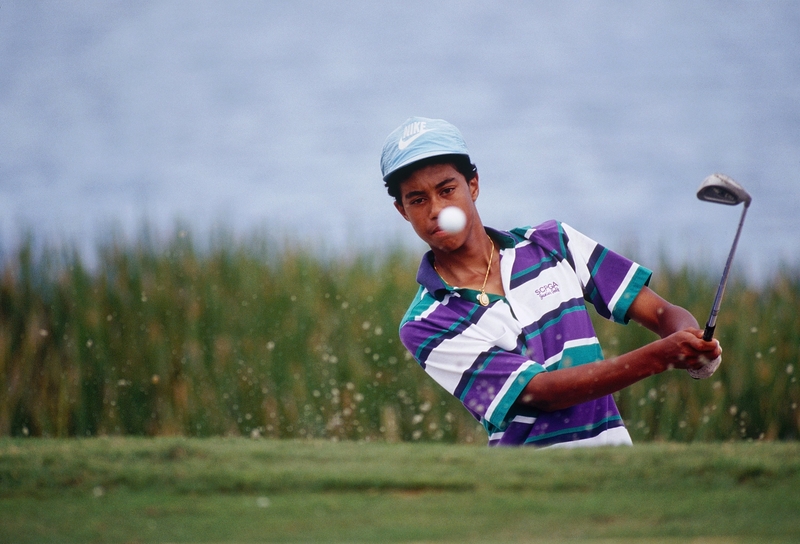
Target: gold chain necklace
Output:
[(483, 298)]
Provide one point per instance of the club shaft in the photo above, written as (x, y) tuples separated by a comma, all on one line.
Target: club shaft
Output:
[(712, 319)]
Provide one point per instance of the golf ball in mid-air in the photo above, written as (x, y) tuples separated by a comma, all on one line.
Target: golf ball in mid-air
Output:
[(452, 219)]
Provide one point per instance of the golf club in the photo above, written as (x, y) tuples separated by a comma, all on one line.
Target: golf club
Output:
[(721, 189)]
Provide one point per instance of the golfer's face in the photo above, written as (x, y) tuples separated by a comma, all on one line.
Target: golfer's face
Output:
[(427, 192)]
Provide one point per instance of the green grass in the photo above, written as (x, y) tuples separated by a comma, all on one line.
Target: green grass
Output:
[(237, 336), (242, 490)]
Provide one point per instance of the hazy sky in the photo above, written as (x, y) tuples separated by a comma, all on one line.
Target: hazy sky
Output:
[(271, 115)]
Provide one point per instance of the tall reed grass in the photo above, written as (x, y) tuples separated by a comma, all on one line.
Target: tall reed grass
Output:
[(245, 338)]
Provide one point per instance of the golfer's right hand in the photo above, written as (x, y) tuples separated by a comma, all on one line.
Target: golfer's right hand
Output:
[(687, 349)]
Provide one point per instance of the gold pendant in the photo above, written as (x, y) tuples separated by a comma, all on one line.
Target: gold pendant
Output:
[(483, 298)]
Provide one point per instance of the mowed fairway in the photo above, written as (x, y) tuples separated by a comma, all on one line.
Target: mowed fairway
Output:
[(242, 490)]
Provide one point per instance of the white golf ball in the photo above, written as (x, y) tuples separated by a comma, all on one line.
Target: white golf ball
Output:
[(452, 219)]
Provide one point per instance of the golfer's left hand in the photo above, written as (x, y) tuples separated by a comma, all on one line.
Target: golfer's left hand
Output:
[(706, 371)]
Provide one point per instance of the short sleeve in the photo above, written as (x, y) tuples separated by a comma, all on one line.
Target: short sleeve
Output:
[(610, 281), (449, 343)]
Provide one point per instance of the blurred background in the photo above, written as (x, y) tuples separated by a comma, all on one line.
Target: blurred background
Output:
[(270, 116), (195, 239)]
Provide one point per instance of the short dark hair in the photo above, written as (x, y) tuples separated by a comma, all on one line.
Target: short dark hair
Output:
[(461, 163)]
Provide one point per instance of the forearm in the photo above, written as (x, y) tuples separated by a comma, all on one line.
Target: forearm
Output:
[(673, 319), (567, 387), (660, 316)]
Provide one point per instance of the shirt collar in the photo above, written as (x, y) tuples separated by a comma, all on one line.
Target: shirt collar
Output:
[(428, 278)]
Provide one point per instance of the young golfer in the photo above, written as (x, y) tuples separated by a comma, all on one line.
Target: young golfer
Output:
[(500, 319)]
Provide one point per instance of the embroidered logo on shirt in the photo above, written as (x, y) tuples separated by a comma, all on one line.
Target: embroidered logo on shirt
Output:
[(547, 290)]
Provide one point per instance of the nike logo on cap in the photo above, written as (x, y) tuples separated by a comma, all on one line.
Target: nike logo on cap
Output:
[(411, 133)]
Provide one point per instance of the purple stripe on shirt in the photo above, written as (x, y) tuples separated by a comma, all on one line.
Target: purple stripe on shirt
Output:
[(582, 415), (530, 265), (549, 235), (606, 281), (482, 383), (583, 421), (443, 323), (546, 342)]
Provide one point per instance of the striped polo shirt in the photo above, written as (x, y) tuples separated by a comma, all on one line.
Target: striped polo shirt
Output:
[(485, 356)]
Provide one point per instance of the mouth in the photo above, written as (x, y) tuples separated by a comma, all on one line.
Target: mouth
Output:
[(442, 239)]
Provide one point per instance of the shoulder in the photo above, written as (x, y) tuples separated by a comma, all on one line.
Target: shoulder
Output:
[(422, 304), (551, 235), (450, 313), (429, 322), (528, 231)]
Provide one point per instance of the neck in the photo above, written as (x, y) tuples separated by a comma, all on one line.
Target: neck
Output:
[(467, 265)]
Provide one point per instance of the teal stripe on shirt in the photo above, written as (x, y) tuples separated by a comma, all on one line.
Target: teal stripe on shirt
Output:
[(555, 320), (640, 278), (512, 394), (600, 260), (475, 375), (530, 269), (418, 307), (580, 355), (456, 324)]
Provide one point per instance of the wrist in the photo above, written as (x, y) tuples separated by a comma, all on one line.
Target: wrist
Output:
[(648, 360)]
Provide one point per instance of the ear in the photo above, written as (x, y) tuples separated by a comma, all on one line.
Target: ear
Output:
[(399, 207), (474, 187)]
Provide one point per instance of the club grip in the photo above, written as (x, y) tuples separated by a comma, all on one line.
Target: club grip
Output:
[(708, 334)]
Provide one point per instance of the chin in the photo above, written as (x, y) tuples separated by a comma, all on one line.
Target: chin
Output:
[(448, 242)]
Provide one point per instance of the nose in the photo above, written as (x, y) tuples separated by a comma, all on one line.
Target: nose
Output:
[(437, 205)]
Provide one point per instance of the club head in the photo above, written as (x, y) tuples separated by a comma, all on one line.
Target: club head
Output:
[(721, 189)]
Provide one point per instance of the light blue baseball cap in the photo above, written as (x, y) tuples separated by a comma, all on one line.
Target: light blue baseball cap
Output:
[(419, 138)]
